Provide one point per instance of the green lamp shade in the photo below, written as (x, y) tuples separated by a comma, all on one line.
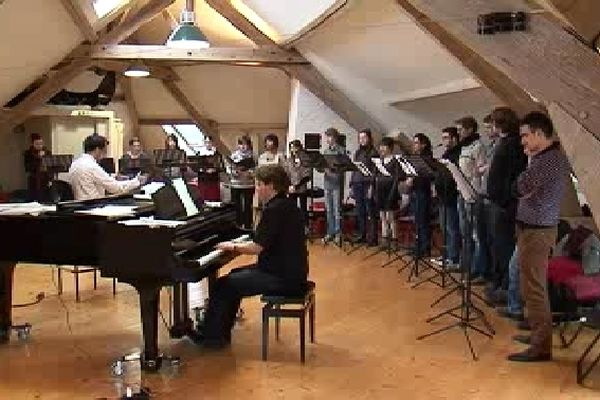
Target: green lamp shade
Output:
[(188, 36)]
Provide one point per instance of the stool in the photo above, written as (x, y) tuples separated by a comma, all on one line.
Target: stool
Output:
[(273, 309), (76, 271)]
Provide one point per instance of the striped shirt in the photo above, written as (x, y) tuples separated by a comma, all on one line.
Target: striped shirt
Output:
[(541, 186)]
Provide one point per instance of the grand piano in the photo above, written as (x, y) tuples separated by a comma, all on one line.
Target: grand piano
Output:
[(147, 257)]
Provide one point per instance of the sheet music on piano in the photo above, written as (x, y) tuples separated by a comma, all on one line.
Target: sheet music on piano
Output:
[(151, 222), (32, 208), (110, 211)]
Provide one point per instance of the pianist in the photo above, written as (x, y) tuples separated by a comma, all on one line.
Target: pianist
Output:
[(87, 178), (282, 264)]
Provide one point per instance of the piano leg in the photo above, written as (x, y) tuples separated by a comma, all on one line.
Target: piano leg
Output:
[(6, 283), (149, 306), (182, 323)]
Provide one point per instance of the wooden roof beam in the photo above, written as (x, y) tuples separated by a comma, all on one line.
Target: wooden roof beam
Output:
[(270, 55), (79, 17), (309, 76), (202, 122), (544, 61)]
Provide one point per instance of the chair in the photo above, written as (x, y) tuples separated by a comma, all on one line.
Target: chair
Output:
[(62, 191), (591, 320), (276, 307)]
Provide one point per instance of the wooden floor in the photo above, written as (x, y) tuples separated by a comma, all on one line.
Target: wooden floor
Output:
[(368, 319)]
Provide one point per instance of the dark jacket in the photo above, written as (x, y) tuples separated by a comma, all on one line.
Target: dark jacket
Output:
[(364, 154), (508, 162), (444, 183)]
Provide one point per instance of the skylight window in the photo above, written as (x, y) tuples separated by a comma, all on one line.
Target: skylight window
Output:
[(104, 7), (189, 137)]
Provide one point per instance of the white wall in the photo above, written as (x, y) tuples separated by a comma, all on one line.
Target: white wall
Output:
[(308, 114)]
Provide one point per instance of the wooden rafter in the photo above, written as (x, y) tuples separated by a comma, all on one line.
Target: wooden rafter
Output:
[(80, 19), (270, 55), (156, 71), (134, 20), (309, 76), (78, 59), (202, 122), (545, 62), (131, 107)]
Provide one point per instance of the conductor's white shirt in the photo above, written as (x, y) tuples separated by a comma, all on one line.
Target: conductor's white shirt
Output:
[(89, 181)]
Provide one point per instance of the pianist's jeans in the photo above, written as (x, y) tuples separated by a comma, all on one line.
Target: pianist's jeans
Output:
[(227, 294)]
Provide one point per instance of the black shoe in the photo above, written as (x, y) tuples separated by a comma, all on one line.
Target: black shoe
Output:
[(524, 326), (529, 356), (525, 339), (505, 313)]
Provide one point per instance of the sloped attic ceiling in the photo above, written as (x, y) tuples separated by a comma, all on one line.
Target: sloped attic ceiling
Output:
[(376, 55), (36, 34)]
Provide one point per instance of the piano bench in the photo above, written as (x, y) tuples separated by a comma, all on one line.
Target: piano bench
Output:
[(276, 306), (76, 270)]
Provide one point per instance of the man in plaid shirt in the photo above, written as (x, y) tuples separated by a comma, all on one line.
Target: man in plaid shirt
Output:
[(540, 191)]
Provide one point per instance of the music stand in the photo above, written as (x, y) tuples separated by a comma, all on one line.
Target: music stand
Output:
[(133, 166), (468, 311), (340, 164), (57, 163), (108, 165), (311, 159), (169, 158), (414, 166)]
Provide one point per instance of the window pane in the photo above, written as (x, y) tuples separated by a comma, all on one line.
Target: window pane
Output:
[(103, 7)]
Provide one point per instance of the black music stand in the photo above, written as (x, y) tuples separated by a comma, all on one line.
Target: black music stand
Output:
[(311, 159), (169, 158), (414, 166), (340, 164), (132, 166), (108, 165), (57, 163), (468, 311)]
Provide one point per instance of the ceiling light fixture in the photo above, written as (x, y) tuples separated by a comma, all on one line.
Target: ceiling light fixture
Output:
[(187, 35), (137, 71)]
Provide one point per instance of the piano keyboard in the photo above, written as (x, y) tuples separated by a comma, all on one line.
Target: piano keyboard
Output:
[(213, 255)]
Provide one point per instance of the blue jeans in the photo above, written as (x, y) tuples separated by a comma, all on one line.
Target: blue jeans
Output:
[(364, 207), (332, 207), (451, 228), (515, 305)]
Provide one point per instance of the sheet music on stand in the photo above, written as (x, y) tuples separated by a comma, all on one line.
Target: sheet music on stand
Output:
[(380, 167), (339, 162), (466, 190), (415, 165), (312, 159), (57, 163), (362, 168), (168, 158)]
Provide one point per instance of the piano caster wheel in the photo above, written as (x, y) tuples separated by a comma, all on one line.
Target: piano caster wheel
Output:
[(151, 365), (117, 368), (23, 331), (239, 317)]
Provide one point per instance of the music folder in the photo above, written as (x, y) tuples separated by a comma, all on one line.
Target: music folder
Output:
[(380, 167), (466, 190), (362, 168), (339, 162)]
